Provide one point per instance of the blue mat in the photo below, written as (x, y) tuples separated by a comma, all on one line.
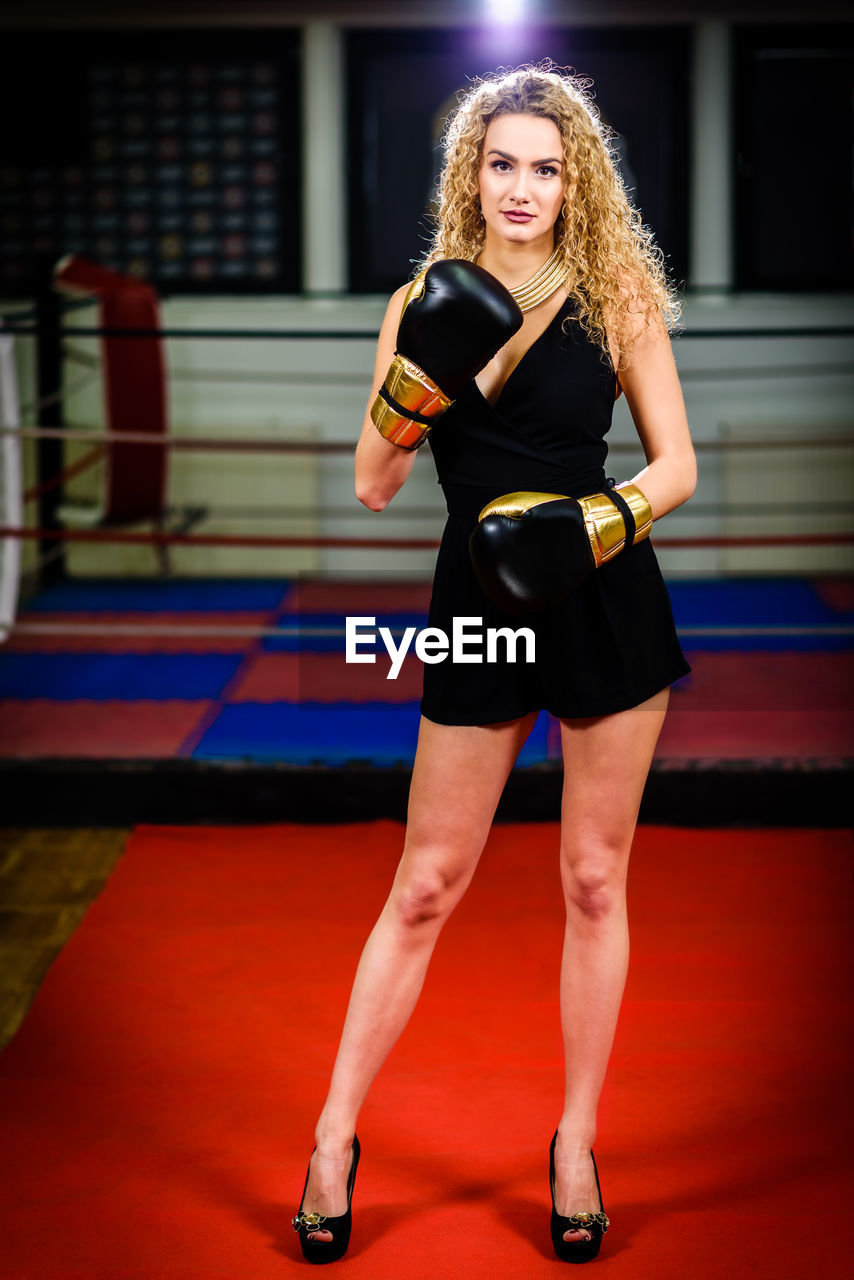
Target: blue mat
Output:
[(699, 608), (214, 595), (377, 732), (317, 733), (129, 677), (301, 638)]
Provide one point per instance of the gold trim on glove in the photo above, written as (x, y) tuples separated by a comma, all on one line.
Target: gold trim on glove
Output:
[(603, 519), (415, 290), (516, 504), (412, 390), (640, 508), (606, 528)]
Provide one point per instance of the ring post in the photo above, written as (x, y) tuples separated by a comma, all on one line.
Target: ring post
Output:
[(50, 414)]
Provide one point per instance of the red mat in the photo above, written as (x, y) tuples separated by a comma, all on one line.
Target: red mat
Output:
[(325, 677), (158, 1102), (109, 730), (125, 631)]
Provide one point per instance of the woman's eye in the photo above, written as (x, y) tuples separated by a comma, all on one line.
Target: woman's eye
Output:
[(548, 170), (501, 165)]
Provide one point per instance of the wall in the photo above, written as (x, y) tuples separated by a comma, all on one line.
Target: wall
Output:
[(760, 383)]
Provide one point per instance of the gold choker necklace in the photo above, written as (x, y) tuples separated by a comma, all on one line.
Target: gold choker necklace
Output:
[(550, 276)]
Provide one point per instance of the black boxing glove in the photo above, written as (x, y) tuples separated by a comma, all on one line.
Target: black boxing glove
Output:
[(455, 317), (530, 550)]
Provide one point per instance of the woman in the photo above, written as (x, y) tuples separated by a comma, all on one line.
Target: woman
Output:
[(528, 174)]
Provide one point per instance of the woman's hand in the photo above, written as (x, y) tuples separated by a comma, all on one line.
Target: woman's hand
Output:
[(456, 316)]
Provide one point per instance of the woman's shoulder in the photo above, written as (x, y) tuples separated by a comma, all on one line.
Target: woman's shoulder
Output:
[(397, 298)]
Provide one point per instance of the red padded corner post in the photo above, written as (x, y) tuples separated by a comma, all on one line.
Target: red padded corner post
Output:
[(134, 386)]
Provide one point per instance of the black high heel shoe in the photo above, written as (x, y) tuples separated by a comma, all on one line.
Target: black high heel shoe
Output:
[(596, 1223), (320, 1251)]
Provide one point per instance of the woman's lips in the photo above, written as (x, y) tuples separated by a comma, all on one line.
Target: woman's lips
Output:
[(516, 215)]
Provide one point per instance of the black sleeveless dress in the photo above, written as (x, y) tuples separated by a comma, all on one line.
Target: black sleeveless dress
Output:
[(612, 644)]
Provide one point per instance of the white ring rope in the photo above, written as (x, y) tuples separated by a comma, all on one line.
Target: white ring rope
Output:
[(305, 630), (86, 381), (268, 444), (11, 486), (273, 377)]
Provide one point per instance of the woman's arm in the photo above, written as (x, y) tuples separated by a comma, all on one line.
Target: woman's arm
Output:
[(382, 467), (651, 386)]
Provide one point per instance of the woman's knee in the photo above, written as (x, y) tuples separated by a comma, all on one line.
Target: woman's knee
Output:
[(424, 896), (595, 883)]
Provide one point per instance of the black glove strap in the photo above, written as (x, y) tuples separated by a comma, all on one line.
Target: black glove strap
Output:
[(624, 510), (409, 414)]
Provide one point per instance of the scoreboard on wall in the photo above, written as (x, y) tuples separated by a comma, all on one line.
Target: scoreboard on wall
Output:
[(171, 169)]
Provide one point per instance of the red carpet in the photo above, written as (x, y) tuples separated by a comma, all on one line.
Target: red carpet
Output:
[(159, 1100)]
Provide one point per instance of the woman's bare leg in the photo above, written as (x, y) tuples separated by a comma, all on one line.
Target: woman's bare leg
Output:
[(606, 761), (457, 780)]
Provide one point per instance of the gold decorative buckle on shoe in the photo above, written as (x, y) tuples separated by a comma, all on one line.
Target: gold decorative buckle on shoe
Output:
[(590, 1219), (311, 1221)]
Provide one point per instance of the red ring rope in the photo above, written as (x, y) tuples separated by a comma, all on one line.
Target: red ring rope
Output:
[(68, 473)]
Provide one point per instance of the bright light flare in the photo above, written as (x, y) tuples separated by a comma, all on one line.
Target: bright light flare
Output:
[(505, 12)]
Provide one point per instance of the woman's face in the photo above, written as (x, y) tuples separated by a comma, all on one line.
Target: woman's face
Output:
[(521, 178)]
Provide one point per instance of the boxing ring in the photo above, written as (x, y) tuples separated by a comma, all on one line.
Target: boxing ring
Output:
[(236, 688), (156, 1090)]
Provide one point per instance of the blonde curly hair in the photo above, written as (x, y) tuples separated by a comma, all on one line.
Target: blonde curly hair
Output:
[(615, 272)]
